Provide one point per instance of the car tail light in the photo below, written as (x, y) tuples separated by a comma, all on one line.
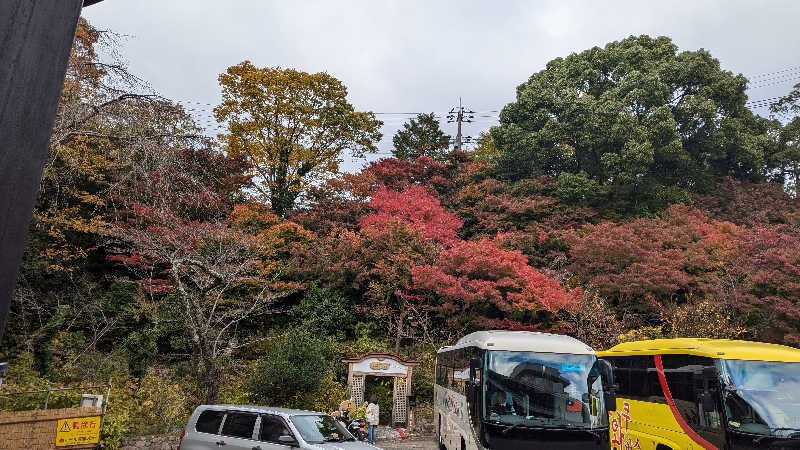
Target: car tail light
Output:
[(183, 433)]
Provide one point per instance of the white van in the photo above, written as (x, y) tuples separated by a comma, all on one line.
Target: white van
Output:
[(262, 428)]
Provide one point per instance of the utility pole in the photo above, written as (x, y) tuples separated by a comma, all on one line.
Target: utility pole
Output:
[(459, 115)]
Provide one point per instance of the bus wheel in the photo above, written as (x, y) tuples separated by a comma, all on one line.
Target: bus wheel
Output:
[(663, 447)]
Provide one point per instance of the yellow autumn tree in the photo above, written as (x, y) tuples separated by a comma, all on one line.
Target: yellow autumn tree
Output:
[(292, 126)]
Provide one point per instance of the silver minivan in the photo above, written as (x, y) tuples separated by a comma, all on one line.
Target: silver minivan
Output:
[(235, 427)]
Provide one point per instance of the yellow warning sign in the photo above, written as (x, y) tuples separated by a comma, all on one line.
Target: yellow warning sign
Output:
[(77, 431)]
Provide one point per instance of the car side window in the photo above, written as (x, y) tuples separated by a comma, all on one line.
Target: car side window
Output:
[(272, 428), (239, 424), (209, 421)]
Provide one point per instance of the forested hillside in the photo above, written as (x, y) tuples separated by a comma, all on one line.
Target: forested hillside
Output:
[(628, 192)]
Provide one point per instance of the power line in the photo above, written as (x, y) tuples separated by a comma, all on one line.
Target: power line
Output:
[(205, 110), (781, 81), (209, 107), (790, 73), (767, 74)]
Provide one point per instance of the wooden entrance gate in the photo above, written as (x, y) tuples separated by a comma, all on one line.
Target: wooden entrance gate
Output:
[(383, 365)]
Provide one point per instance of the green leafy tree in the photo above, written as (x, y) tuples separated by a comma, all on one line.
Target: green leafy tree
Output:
[(325, 311), (485, 150), (787, 158), (637, 115), (421, 136), (578, 188), (292, 126)]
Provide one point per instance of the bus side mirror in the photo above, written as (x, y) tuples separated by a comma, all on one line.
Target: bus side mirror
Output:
[(609, 387), (610, 400), (474, 366), (472, 393)]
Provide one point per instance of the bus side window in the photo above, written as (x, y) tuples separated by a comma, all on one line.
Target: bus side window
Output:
[(637, 379), (654, 384), (622, 375), (639, 386), (451, 383), (441, 377)]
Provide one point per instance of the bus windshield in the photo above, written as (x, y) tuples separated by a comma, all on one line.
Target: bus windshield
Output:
[(547, 390), (762, 397)]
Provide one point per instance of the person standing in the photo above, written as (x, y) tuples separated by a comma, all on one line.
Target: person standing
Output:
[(373, 416)]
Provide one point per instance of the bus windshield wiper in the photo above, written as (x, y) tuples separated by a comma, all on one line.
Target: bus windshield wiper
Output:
[(510, 427), (569, 426), (758, 440)]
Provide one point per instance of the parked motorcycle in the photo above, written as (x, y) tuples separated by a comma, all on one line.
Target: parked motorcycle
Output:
[(356, 427)]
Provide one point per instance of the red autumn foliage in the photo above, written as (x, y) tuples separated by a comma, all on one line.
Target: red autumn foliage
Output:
[(397, 174), (765, 273), (338, 204), (489, 206), (392, 264), (655, 260), (525, 216), (479, 277), (414, 206), (373, 265), (751, 204), (341, 203), (196, 184)]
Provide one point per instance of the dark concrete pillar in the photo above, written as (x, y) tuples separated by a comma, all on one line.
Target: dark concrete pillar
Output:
[(35, 41)]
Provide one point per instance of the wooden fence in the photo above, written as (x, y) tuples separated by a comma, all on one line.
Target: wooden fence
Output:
[(36, 429)]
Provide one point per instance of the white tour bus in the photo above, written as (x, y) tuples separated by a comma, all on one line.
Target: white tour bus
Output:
[(516, 389)]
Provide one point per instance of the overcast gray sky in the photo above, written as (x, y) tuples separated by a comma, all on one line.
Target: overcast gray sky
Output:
[(421, 55)]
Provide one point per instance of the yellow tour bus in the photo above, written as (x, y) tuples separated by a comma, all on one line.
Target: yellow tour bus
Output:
[(704, 394)]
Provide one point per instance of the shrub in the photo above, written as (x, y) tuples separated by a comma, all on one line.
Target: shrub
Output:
[(114, 429), (295, 363), (704, 319), (329, 394)]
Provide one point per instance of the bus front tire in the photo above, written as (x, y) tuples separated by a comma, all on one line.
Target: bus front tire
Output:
[(663, 447)]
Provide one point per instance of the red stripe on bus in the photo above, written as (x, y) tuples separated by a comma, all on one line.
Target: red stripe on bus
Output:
[(668, 395)]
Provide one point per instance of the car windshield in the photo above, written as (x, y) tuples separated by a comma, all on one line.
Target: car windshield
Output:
[(543, 390), (762, 397), (319, 428)]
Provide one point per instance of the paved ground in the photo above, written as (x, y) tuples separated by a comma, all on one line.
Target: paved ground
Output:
[(409, 444)]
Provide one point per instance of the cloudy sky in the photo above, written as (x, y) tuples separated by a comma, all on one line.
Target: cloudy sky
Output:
[(422, 55)]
